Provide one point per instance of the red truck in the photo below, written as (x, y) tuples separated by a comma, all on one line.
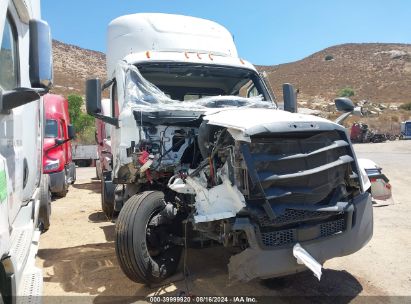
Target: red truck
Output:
[(57, 156)]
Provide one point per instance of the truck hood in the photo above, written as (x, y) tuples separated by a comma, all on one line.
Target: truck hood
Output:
[(251, 121)]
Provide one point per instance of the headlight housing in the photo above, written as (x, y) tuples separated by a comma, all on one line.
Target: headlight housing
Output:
[(52, 165)]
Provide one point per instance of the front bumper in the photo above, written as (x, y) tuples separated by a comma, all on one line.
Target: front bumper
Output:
[(57, 181), (258, 262)]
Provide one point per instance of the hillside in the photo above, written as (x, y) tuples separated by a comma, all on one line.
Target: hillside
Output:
[(73, 65), (380, 73), (377, 72)]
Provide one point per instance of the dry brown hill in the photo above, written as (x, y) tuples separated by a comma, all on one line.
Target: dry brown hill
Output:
[(73, 65), (377, 72)]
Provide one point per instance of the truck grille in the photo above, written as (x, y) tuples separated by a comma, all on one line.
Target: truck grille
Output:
[(277, 238), (291, 216), (297, 168), (332, 227)]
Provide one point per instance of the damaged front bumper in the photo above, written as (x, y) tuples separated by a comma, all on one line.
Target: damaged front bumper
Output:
[(258, 261)]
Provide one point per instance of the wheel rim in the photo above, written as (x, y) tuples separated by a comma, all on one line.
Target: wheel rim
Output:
[(159, 246)]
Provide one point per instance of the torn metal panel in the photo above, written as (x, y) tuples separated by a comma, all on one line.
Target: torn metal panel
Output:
[(220, 202), (239, 135), (303, 257)]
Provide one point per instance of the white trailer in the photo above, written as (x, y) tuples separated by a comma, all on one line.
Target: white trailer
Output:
[(84, 155), (25, 75)]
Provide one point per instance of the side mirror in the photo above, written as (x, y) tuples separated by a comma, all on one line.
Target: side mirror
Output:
[(93, 101), (344, 104), (71, 132), (40, 55), (59, 142), (290, 98), (93, 96)]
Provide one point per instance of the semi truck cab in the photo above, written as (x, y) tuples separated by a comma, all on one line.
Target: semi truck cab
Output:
[(201, 151), (57, 156)]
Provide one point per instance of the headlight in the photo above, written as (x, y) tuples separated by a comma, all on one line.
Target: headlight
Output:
[(52, 165)]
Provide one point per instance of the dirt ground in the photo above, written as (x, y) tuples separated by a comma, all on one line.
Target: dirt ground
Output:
[(78, 256)]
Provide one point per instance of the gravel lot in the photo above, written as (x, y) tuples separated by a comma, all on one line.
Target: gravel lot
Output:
[(78, 258)]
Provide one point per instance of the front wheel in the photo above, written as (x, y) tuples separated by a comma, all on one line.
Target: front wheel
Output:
[(107, 198), (144, 239)]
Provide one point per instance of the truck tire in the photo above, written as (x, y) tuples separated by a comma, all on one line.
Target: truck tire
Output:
[(62, 193), (99, 174), (45, 203), (143, 255), (107, 198), (72, 173)]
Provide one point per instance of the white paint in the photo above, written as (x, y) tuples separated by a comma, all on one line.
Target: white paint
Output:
[(220, 202), (138, 33), (4, 213), (244, 119), (365, 164), (21, 139), (304, 258), (179, 186)]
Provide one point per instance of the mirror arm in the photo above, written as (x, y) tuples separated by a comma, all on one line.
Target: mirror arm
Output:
[(56, 145), (110, 120), (107, 84), (18, 97), (343, 117)]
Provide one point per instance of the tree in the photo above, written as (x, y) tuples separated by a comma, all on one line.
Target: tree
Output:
[(82, 122), (346, 92)]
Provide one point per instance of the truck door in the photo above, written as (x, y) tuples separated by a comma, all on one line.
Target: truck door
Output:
[(20, 128), (10, 135)]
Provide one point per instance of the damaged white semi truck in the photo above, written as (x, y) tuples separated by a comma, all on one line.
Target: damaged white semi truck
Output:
[(200, 151)]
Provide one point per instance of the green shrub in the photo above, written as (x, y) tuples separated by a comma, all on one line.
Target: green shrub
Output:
[(346, 92), (406, 106), (82, 122), (329, 58)]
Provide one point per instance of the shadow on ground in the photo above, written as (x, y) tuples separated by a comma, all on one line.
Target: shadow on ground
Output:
[(93, 270), (98, 217), (90, 270), (93, 186)]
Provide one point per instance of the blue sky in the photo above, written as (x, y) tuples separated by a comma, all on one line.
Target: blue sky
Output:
[(265, 31)]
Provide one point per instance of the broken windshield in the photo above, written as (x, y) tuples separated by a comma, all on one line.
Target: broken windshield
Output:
[(172, 86)]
